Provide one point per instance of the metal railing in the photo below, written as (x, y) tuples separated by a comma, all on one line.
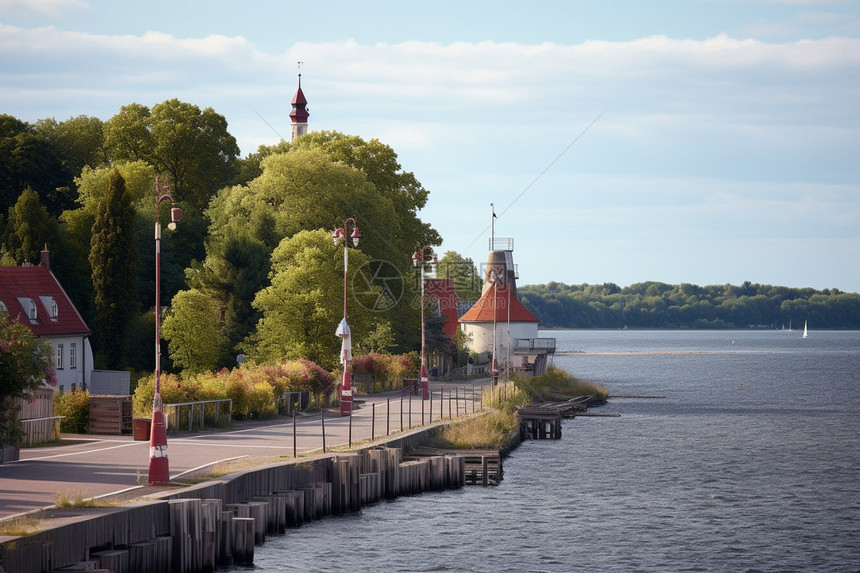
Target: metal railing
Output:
[(38, 430), (173, 421), (534, 345)]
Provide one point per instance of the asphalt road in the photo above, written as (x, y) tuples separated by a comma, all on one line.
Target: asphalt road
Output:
[(94, 466)]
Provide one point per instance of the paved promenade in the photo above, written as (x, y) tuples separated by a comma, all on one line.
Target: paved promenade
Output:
[(104, 465)]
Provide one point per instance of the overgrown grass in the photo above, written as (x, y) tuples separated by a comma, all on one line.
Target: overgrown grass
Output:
[(493, 429), (20, 527), (557, 384), (488, 431), (78, 500)]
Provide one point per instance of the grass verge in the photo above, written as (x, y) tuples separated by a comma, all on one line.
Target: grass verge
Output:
[(493, 429), (78, 500)]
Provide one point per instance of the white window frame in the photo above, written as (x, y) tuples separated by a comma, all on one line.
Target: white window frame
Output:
[(34, 310), (73, 355), (59, 357)]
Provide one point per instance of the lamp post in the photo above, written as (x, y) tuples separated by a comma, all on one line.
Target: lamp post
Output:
[(159, 471), (343, 328), (418, 261)]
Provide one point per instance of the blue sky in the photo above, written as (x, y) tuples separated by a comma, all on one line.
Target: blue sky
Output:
[(707, 142)]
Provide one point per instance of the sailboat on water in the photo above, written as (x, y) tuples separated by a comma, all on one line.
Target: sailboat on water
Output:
[(805, 335)]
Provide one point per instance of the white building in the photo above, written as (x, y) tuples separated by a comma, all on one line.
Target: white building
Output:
[(499, 325), (32, 295)]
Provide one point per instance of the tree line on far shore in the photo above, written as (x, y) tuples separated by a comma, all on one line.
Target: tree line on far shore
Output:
[(660, 305)]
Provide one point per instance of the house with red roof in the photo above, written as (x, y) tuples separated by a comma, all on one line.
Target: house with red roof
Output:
[(33, 296)]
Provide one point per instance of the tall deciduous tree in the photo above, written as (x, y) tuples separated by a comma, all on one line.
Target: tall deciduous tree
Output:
[(27, 159), (79, 141), (114, 266), (304, 303), (316, 182), (193, 331), (191, 145)]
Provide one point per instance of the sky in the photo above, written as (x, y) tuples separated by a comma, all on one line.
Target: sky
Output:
[(697, 141)]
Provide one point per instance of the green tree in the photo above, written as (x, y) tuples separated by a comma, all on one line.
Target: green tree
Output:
[(30, 227), (461, 270), (191, 145), (193, 332), (235, 269), (304, 303), (27, 159), (114, 266), (93, 185), (25, 361), (79, 141)]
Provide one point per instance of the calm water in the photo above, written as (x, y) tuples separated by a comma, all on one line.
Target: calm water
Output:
[(750, 463)]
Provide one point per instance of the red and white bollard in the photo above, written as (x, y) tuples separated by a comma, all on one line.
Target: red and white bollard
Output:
[(159, 468)]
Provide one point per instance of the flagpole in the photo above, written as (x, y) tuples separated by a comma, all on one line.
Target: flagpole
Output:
[(492, 227)]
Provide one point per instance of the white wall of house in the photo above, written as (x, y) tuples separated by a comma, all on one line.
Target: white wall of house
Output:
[(73, 361)]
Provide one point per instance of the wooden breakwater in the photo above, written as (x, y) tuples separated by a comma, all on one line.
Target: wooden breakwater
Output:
[(216, 523), (543, 421)]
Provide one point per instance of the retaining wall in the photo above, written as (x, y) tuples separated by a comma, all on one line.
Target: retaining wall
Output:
[(213, 524)]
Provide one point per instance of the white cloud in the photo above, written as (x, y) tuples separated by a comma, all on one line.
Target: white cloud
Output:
[(40, 7), (700, 140)]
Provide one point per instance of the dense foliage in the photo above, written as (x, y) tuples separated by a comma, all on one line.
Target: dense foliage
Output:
[(251, 280), (25, 362), (114, 266), (256, 390), (660, 305)]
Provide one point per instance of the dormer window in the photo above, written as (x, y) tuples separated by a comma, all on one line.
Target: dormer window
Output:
[(50, 307), (34, 310)]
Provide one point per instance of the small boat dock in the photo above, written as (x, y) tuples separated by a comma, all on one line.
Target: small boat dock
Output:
[(543, 421)]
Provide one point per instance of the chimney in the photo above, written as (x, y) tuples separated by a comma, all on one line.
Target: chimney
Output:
[(45, 258)]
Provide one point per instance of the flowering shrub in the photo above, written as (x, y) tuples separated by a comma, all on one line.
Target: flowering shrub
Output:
[(368, 364), (254, 389), (388, 370)]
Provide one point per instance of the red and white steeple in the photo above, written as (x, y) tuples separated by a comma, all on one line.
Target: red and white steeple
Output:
[(299, 114)]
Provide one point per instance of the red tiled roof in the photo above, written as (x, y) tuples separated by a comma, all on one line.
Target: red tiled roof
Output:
[(39, 285), (497, 297)]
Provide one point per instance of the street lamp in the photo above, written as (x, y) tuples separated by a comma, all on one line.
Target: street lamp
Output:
[(159, 471), (343, 328), (418, 261)]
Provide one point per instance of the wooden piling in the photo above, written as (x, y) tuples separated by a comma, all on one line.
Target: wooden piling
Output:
[(243, 540)]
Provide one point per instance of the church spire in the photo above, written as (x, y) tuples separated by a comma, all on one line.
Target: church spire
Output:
[(299, 114)]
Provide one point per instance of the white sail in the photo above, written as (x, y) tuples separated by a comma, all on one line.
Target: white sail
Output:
[(804, 329)]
